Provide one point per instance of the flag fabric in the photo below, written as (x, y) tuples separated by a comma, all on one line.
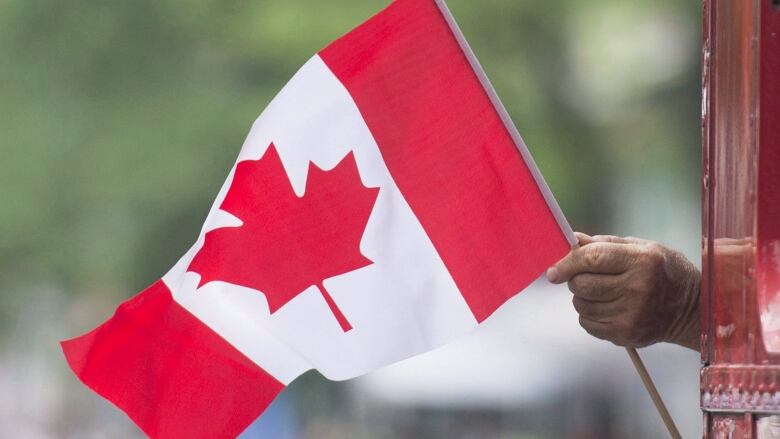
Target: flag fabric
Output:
[(382, 205)]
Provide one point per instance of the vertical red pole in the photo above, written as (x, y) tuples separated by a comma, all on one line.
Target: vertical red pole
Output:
[(768, 193), (740, 380)]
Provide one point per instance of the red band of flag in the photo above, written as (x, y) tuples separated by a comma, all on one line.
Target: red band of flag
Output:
[(169, 372), (449, 151)]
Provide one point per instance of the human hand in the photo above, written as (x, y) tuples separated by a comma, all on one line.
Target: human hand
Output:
[(632, 292)]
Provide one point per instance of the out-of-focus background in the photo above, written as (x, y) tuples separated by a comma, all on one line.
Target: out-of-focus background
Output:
[(120, 120)]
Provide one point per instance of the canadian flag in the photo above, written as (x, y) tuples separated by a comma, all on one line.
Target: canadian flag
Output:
[(382, 205)]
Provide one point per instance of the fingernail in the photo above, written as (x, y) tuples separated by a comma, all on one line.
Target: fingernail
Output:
[(553, 275)]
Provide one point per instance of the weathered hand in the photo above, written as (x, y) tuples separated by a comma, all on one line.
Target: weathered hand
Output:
[(632, 292)]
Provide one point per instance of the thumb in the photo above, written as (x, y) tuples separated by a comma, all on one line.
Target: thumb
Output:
[(553, 274)]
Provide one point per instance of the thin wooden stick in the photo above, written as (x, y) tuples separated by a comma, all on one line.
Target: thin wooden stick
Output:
[(654, 395)]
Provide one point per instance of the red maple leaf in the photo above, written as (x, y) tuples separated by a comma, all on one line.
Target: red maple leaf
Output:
[(288, 243)]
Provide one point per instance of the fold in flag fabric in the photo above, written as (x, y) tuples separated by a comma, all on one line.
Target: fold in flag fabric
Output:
[(382, 205)]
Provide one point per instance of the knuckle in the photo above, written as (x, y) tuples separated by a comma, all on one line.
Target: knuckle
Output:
[(593, 257), (580, 306), (595, 330), (655, 254), (633, 291), (591, 290), (576, 304), (577, 284)]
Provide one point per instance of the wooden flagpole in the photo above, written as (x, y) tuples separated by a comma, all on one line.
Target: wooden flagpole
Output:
[(639, 365)]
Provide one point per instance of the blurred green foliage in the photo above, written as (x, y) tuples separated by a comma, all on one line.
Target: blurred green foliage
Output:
[(121, 119)]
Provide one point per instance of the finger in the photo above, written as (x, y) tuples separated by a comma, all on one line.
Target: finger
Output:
[(597, 311), (596, 287), (582, 238), (617, 239), (597, 329), (598, 257)]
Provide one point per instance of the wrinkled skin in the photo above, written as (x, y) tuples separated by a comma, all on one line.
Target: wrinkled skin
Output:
[(632, 292)]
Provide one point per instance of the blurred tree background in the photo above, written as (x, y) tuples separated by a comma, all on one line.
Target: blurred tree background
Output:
[(121, 119)]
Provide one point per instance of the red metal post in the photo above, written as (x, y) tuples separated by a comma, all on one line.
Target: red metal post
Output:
[(740, 381)]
